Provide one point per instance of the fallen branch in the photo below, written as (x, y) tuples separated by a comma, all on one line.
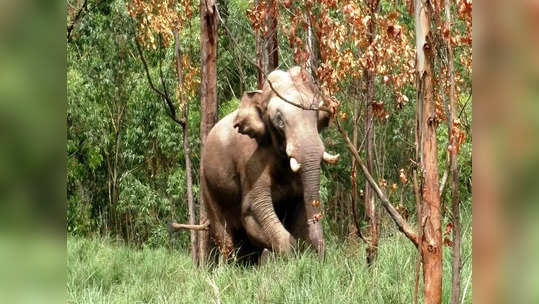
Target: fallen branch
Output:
[(173, 227), (397, 218)]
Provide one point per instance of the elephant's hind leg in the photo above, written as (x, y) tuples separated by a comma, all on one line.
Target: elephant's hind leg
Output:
[(222, 236), (221, 230)]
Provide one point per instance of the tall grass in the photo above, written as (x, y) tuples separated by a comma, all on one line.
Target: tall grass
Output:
[(105, 271)]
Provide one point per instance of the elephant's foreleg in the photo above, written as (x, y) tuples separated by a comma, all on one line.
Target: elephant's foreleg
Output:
[(255, 232), (258, 205)]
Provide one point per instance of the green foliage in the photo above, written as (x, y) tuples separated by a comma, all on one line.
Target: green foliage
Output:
[(125, 158), (119, 136), (228, 107)]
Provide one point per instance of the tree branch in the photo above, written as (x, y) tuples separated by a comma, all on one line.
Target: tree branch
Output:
[(77, 17), (172, 112), (173, 227), (465, 104), (164, 85), (397, 218)]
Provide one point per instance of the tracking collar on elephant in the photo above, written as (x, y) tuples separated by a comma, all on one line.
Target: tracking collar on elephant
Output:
[(254, 92)]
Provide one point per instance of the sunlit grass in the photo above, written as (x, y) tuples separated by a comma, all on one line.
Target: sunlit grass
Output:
[(104, 271)]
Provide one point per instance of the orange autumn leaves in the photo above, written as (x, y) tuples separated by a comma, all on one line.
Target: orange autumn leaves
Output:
[(347, 48), (159, 19), (456, 138)]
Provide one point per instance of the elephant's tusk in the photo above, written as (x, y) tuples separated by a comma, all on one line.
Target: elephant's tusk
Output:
[(329, 158), (294, 165)]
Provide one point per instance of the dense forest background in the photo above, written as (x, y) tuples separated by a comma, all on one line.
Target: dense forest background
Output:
[(146, 80), (126, 174)]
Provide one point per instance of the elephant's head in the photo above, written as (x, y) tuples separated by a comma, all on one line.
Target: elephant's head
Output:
[(294, 132)]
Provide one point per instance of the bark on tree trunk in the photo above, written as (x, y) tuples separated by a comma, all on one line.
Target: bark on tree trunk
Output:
[(208, 101), (270, 42), (431, 242), (455, 284), (354, 162), (260, 67), (186, 149), (370, 208), (312, 63), (190, 200)]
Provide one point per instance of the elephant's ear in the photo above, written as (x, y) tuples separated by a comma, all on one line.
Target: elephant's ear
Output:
[(249, 119), (323, 120)]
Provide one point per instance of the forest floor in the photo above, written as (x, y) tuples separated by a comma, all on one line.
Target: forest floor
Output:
[(106, 271)]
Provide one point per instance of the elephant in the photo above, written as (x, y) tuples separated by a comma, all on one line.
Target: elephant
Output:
[(261, 168)]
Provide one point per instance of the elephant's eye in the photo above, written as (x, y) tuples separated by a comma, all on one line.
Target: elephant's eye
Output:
[(279, 122)]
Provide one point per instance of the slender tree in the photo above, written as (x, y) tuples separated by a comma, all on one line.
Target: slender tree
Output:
[(430, 223), (208, 101), (165, 22), (454, 123), (270, 41), (370, 207), (186, 148), (118, 106)]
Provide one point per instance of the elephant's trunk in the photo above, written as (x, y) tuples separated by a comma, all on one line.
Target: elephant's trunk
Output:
[(310, 176)]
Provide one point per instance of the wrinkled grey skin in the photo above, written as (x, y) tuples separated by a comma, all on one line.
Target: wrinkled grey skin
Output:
[(253, 195)]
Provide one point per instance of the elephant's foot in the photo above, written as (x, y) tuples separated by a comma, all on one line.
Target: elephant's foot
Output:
[(284, 243), (278, 239)]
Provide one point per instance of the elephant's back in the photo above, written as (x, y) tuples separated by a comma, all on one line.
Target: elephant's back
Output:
[(222, 156)]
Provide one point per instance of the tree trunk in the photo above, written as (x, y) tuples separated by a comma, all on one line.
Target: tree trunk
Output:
[(113, 167), (186, 149), (190, 200), (260, 67), (370, 207), (208, 101), (270, 42), (455, 284), (312, 63), (431, 242), (354, 162)]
